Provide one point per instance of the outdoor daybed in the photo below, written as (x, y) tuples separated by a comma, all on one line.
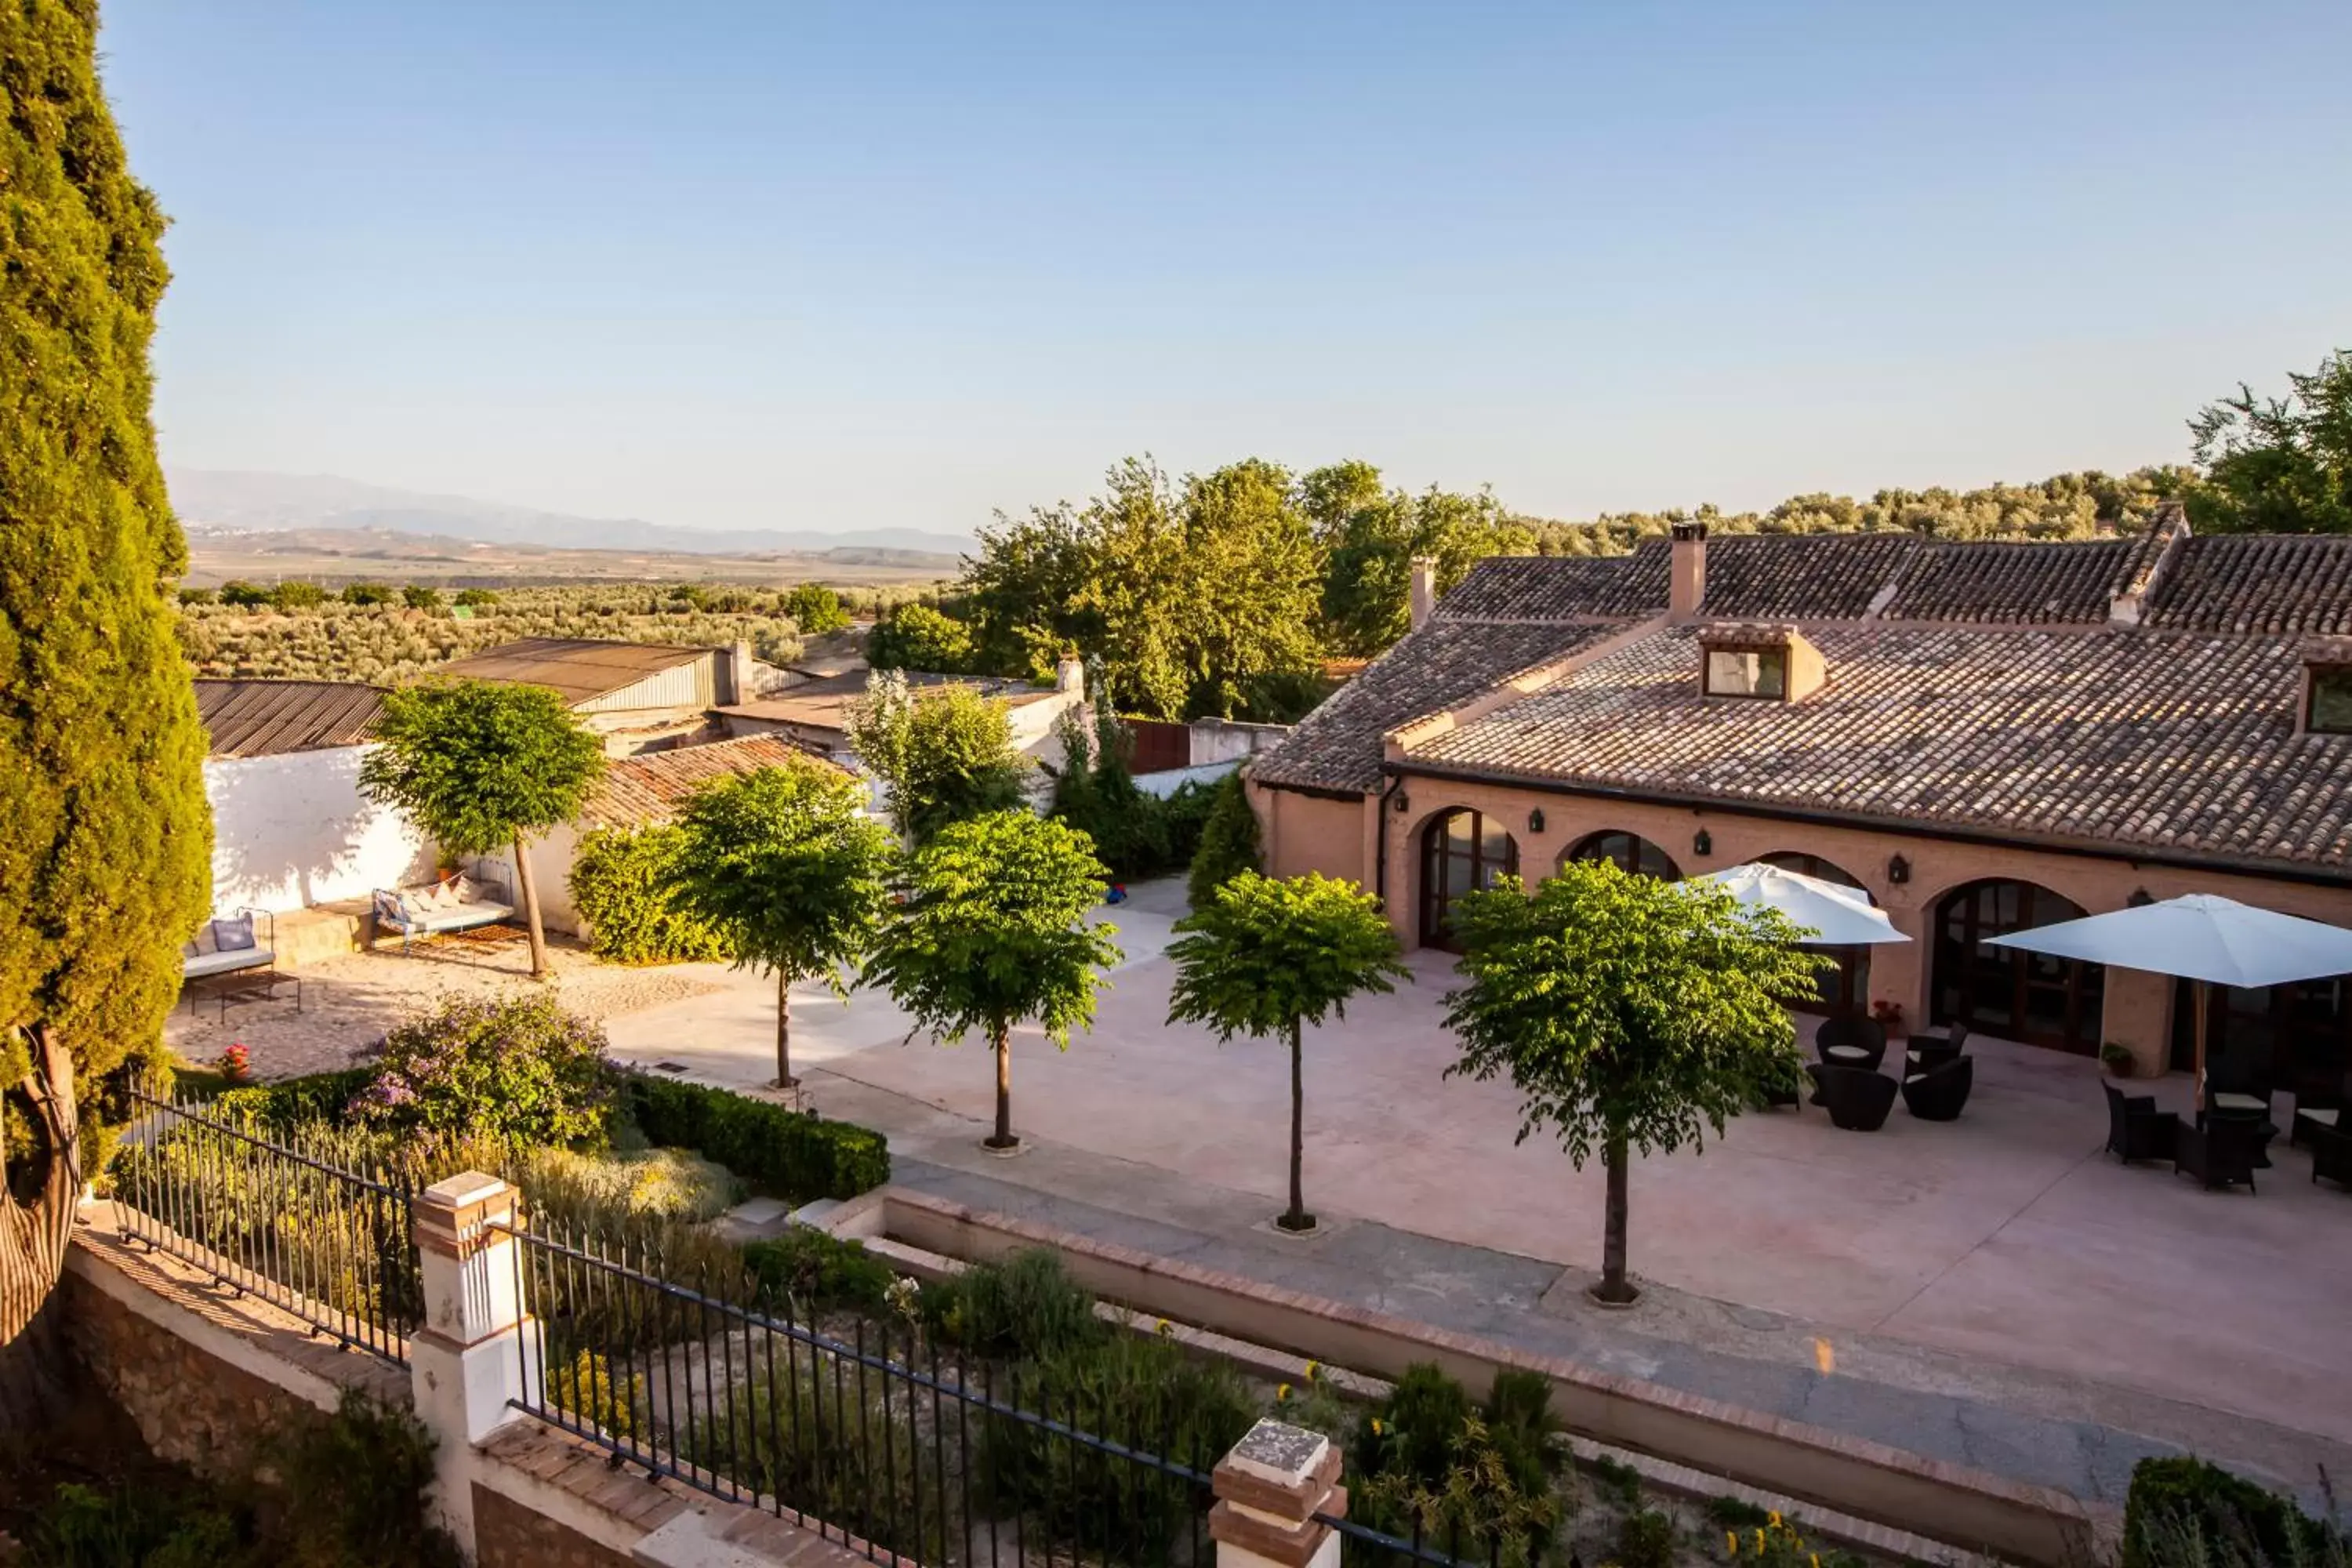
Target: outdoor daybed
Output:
[(438, 909)]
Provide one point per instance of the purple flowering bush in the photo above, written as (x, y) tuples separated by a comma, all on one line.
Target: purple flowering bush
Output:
[(520, 1071)]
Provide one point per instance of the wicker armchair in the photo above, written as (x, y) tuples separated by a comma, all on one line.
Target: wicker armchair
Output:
[(2331, 1156), (1939, 1093), (2136, 1130), (1858, 1099), (1850, 1040), (2220, 1153)]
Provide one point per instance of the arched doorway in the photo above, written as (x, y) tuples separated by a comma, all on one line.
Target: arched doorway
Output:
[(2297, 1038), (1846, 989), (1628, 852), (1460, 851), (2028, 997)]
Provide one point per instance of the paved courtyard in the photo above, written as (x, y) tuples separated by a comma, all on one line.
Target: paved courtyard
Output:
[(2004, 1242)]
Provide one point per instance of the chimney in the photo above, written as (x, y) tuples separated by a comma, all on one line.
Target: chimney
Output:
[(1070, 673), (1424, 589), (1687, 572), (735, 674)]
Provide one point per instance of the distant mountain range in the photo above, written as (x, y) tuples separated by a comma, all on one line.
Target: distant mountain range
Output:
[(256, 502)]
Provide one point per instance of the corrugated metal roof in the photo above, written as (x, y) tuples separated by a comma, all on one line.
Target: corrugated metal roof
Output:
[(650, 787), (825, 704), (578, 668), (267, 718)]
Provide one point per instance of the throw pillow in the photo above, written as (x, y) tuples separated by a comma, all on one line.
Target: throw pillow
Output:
[(232, 935)]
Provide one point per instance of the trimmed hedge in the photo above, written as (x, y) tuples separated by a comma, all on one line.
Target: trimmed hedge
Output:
[(793, 1153), (2183, 1495), (280, 1106), (625, 885)]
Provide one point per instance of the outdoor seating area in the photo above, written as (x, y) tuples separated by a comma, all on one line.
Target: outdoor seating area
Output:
[(233, 957), (1937, 1075), (465, 903)]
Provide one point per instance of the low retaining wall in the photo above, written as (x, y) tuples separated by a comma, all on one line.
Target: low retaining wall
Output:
[(1869, 1480)]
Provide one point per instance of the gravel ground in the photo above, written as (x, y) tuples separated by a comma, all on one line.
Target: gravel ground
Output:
[(348, 1004)]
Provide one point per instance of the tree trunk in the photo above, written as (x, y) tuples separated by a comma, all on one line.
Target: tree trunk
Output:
[(1003, 1138), (784, 1078), (1615, 1287), (529, 891), (1298, 1219), (34, 1236)]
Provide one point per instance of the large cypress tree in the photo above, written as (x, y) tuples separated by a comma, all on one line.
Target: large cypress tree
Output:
[(105, 841)]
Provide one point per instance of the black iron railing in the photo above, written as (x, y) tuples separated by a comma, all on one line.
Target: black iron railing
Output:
[(300, 1222), (877, 1440)]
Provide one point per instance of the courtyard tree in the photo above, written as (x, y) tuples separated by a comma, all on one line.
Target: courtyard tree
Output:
[(993, 932), (480, 765), (816, 609), (1269, 956), (946, 754), (784, 866), (1631, 1014), (105, 859), (2278, 465)]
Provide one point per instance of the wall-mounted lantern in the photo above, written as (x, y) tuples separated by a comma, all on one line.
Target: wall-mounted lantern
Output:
[(1535, 820), (1403, 803), (1898, 870), (1702, 844), (2140, 899)]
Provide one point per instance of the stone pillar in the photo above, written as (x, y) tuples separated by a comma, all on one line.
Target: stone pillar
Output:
[(1687, 572), (478, 1350), (1269, 1489)]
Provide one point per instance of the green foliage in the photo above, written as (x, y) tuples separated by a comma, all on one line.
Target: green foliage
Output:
[(418, 596), (1474, 1507), (1646, 1538), (604, 1193), (625, 883), (476, 598), (279, 1107), (1616, 1479), (781, 864), (105, 838), (946, 754), (1025, 1308), (809, 1270), (1265, 956), (1736, 1513), (585, 1386), (243, 595), (294, 594), (2278, 465), (518, 1070), (816, 609), (479, 763), (196, 595), (993, 929), (921, 637), (1412, 1430), (1143, 1392), (1229, 842), (367, 594), (1138, 835), (359, 1481), (1369, 537), (137, 1527), (790, 1154), (1624, 1009), (1201, 595), (2183, 1512)]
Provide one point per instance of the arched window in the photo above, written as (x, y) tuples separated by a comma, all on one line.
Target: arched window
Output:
[(1460, 851), (1846, 989), (1628, 852), (2019, 996)]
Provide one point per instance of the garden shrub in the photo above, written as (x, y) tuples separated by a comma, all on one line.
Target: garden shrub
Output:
[(279, 1107), (358, 1482), (1646, 1539), (794, 1154), (661, 1184), (1736, 1513), (1470, 1481), (1025, 1308), (808, 1270), (623, 882), (2182, 1508), (137, 1527), (516, 1071), (1228, 842), (1413, 1429), (1138, 835), (1142, 1392), (1616, 1479), (584, 1387)]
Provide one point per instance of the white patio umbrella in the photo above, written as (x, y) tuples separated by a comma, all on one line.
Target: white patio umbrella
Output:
[(2200, 936), (1840, 915)]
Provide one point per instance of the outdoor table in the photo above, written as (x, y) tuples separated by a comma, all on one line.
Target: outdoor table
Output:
[(2237, 1104), (1847, 1053)]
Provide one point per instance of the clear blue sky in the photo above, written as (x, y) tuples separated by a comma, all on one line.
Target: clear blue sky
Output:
[(765, 263)]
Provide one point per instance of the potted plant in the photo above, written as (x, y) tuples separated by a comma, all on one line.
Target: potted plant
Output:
[(1888, 1016), (2116, 1058)]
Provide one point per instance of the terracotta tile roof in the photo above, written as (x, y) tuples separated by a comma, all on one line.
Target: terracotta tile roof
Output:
[(1817, 576), (650, 787), (269, 717), (2257, 582), (1541, 588), (2176, 741), (1338, 746), (581, 669), (2006, 583)]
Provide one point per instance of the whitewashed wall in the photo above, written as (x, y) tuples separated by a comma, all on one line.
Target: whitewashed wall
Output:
[(295, 830)]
